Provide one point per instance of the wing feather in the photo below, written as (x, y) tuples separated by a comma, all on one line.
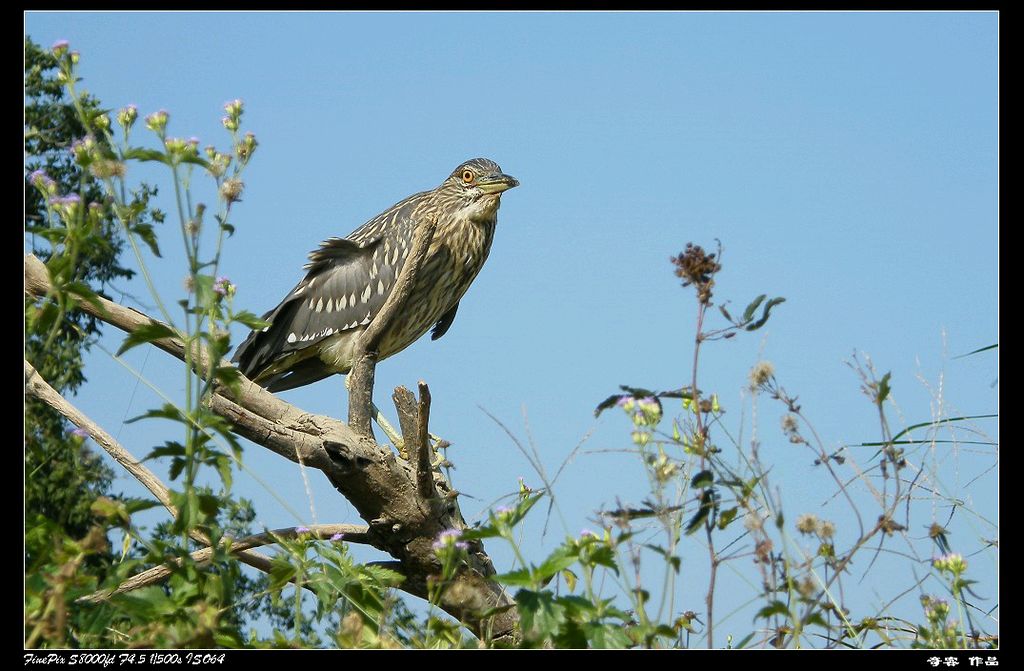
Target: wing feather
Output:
[(346, 285)]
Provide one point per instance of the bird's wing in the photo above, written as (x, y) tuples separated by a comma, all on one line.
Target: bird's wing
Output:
[(347, 281), (444, 323), (344, 288)]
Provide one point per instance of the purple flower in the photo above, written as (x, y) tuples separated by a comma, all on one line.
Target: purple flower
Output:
[(503, 511), (66, 206), (44, 183), (302, 530), (79, 432), (223, 286), (59, 47), (337, 536), (587, 532), (450, 538)]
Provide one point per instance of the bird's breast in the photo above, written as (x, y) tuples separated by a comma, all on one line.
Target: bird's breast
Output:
[(456, 255)]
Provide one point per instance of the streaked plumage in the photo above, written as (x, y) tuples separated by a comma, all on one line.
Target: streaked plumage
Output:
[(312, 332)]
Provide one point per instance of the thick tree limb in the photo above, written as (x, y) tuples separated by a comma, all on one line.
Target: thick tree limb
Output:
[(351, 533), (364, 355), (383, 489)]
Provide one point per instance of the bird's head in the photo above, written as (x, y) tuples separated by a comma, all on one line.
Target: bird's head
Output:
[(477, 186)]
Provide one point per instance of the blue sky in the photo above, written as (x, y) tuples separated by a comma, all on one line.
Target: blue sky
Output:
[(847, 161)]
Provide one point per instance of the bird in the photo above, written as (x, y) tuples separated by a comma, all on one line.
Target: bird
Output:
[(312, 332)]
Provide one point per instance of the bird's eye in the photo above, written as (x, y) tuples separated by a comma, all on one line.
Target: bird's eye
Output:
[(467, 176)]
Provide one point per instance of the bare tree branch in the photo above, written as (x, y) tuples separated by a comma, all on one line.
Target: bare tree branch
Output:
[(351, 533), (36, 386), (421, 453)]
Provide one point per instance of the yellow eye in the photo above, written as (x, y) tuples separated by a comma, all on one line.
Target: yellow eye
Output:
[(467, 176)]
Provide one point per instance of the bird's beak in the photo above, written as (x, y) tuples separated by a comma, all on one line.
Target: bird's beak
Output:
[(496, 183)]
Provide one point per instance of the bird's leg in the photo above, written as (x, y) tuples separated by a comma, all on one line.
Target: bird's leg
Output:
[(385, 425), (438, 443)]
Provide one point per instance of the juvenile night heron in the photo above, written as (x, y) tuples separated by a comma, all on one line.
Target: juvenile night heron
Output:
[(313, 331)]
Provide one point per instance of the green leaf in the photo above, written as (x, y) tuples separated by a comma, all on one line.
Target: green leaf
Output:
[(570, 579), (133, 505), (146, 333), (147, 235), (250, 320), (746, 639), (570, 636), (520, 578), (208, 504), (113, 510), (748, 314), (146, 604), (540, 615), (609, 402), (229, 376), (607, 635), (167, 411), (84, 292), (168, 449), (601, 556), (142, 154), (281, 573), (726, 517), (702, 480), (977, 351), (774, 608), (556, 561), (177, 466), (706, 505), (816, 618), (748, 488), (42, 317), (206, 297), (640, 392), (884, 388), (764, 316), (224, 470), (480, 533), (195, 160), (523, 506)]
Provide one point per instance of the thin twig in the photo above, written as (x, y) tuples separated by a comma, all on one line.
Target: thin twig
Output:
[(352, 533), (38, 387)]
